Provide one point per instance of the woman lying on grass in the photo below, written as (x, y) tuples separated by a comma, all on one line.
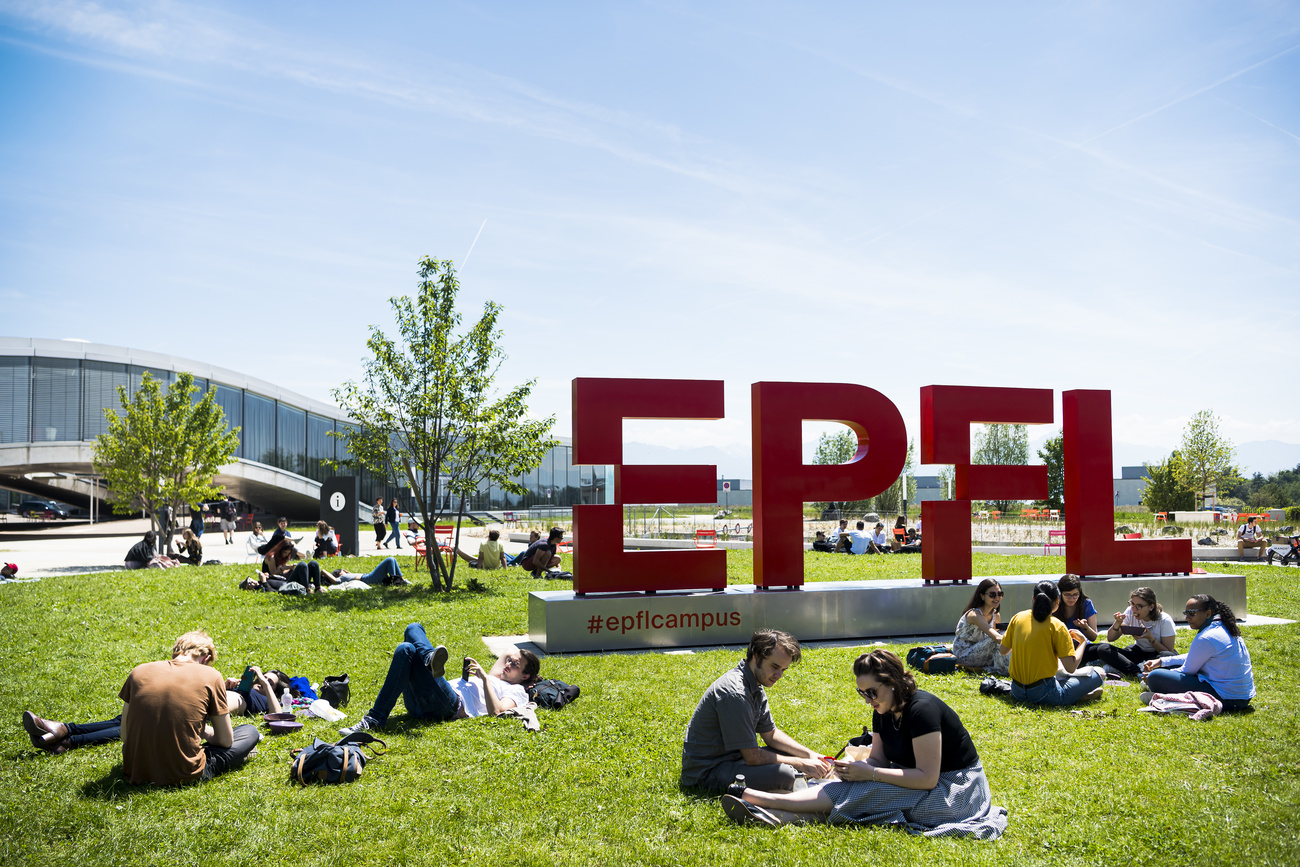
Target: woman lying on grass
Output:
[(1038, 640), (923, 772), (977, 642), (59, 737), (388, 573), (1217, 662), (1156, 638)]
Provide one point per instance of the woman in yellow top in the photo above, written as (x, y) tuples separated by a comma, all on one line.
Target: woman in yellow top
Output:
[(1039, 640)]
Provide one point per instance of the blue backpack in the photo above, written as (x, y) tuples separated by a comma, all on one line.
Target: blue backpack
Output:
[(932, 659)]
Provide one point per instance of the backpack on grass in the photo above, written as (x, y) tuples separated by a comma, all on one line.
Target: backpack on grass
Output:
[(553, 694), (932, 659), (340, 762)]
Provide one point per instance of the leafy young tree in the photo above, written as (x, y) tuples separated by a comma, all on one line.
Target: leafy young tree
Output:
[(429, 411), (839, 448), (1003, 444), (1164, 491), (1053, 456), (1207, 456), (164, 449), (891, 500)]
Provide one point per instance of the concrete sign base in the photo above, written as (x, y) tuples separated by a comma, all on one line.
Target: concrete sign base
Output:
[(561, 622)]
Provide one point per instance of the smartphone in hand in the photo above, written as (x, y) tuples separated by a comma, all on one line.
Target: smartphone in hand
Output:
[(246, 682)]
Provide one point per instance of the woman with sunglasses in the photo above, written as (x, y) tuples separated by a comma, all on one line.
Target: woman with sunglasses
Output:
[(1148, 623), (1217, 662), (977, 643), (1039, 640), (923, 772)]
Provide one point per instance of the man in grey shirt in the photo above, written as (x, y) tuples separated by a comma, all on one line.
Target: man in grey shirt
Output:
[(720, 739)]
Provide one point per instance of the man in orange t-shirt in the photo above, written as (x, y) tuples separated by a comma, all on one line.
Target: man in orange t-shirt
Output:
[(172, 707)]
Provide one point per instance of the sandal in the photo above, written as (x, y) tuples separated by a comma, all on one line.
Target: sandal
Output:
[(745, 813)]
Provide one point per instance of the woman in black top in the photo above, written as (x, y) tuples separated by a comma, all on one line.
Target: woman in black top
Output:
[(923, 771)]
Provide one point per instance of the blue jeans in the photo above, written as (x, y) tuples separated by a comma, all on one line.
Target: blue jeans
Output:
[(425, 696), (89, 734), (396, 534), (1176, 680), (1052, 692), (387, 568)]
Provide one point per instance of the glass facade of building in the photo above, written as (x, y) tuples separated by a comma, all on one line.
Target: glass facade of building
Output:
[(45, 399)]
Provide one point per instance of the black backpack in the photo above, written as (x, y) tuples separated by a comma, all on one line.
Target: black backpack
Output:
[(340, 762), (553, 694)]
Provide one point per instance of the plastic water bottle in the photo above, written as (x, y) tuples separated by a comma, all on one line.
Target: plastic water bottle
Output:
[(737, 787), (286, 701), (800, 781)]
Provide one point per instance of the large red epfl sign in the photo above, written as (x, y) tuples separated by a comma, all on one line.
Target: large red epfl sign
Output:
[(783, 483)]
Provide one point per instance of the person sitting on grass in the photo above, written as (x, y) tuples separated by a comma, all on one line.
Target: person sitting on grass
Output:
[(1217, 662), (490, 554), (1157, 639), (144, 555), (853, 541), (518, 559), (417, 675), (977, 642), (923, 772), (277, 564), (1076, 610), (191, 549), (879, 543), (541, 556), (327, 543), (722, 736), (58, 737), (170, 709), (821, 543), (8, 571), (1038, 640)]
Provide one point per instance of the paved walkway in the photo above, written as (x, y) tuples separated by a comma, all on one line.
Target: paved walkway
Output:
[(82, 548)]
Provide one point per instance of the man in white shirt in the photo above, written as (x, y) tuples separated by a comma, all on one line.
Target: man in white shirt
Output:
[(879, 542), (417, 675), (853, 542), (1250, 536)]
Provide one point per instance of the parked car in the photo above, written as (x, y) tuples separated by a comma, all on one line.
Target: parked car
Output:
[(42, 508)]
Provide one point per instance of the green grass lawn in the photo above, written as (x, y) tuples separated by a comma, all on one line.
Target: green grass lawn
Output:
[(598, 784)]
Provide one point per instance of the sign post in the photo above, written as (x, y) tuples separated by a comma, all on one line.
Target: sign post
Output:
[(338, 508)]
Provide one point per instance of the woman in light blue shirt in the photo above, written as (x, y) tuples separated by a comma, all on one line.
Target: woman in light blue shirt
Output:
[(1217, 662)]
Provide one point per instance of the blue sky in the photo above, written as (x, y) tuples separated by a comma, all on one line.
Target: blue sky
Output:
[(1070, 195)]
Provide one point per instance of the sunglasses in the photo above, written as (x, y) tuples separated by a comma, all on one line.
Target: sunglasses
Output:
[(1188, 612), (869, 694), (994, 593)]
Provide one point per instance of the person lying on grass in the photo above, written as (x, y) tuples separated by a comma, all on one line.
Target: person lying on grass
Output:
[(417, 675), (1217, 662), (923, 772), (59, 737), (1039, 640), (388, 573), (277, 565)]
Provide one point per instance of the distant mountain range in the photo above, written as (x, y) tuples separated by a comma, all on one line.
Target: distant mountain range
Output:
[(1259, 456)]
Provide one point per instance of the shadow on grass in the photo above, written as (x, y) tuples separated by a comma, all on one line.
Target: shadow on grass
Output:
[(111, 786)]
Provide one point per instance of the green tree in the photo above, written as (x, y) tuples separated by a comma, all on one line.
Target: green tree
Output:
[(839, 448), (1053, 455), (1005, 445), (1207, 457), (428, 408), (890, 502), (164, 449), (1165, 491)]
